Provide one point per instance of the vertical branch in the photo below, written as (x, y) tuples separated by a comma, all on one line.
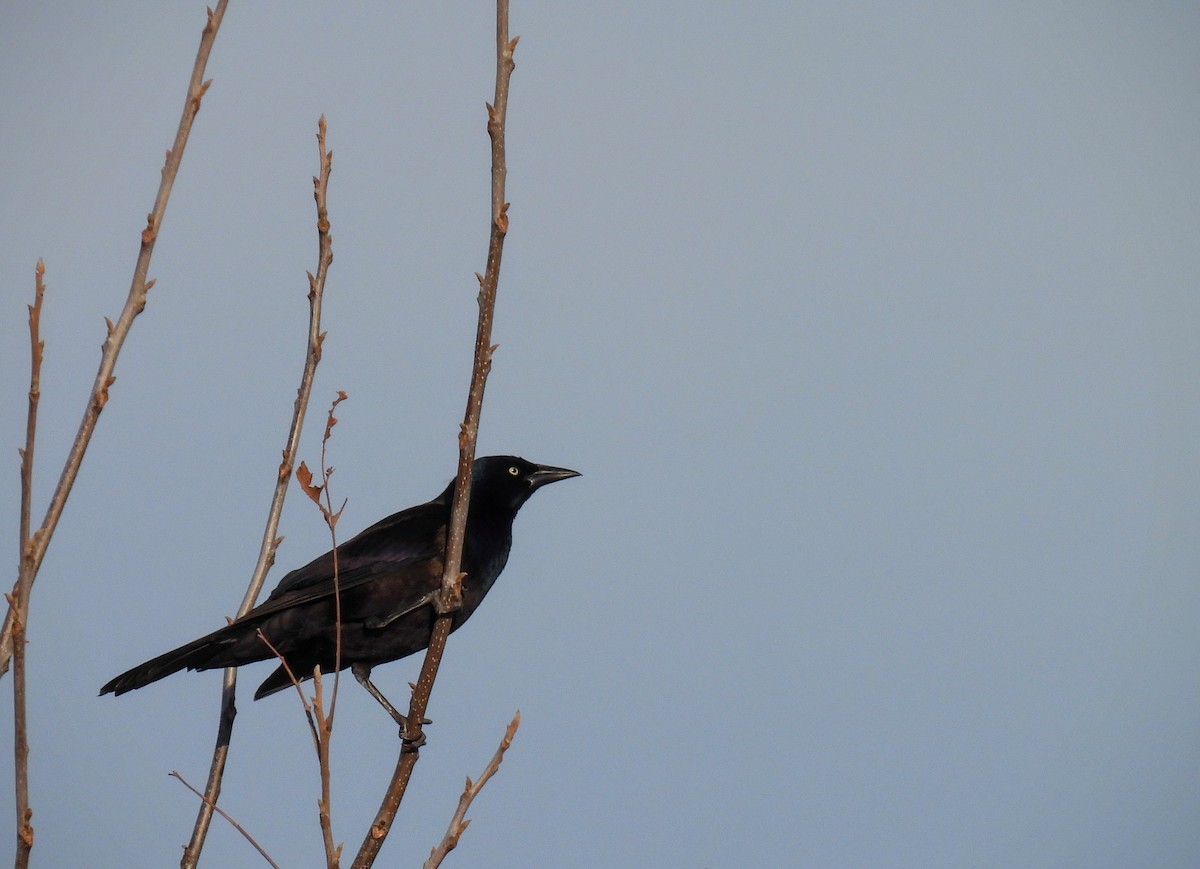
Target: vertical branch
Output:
[(35, 544), (324, 727), (19, 601), (320, 721), (331, 519), (270, 542), (36, 346), (117, 332), (488, 283), (451, 591)]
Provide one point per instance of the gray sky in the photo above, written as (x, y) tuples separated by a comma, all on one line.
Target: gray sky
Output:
[(872, 327)]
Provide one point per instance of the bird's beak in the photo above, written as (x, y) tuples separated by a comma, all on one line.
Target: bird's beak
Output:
[(546, 474)]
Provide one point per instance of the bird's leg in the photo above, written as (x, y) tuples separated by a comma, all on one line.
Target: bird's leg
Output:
[(377, 622), (362, 673)]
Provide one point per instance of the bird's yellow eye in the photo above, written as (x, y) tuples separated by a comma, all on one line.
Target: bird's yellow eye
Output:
[(514, 470)]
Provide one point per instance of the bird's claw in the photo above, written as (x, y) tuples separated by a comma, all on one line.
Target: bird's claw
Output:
[(411, 743)]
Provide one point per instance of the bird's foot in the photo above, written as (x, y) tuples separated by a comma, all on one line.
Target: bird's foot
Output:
[(412, 743)]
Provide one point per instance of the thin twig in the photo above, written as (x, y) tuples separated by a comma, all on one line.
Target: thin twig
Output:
[(331, 517), (270, 542), (323, 728), (320, 728), (117, 332), (333, 853), (19, 600), (308, 710), (458, 824), (36, 348), (451, 591), (227, 817)]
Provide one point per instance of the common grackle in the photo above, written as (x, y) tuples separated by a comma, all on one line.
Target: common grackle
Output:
[(388, 576)]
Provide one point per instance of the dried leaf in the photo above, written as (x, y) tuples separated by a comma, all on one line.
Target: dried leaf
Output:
[(304, 477)]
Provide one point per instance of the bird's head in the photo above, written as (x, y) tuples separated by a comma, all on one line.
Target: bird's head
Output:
[(510, 480)]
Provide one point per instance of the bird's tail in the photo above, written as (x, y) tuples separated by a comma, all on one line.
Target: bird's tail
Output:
[(214, 650)]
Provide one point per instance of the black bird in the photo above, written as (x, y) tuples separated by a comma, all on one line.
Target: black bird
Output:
[(388, 576)]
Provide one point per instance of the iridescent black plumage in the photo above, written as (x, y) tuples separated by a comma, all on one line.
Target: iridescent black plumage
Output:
[(386, 576)]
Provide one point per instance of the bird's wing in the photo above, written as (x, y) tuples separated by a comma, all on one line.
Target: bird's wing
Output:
[(401, 541)]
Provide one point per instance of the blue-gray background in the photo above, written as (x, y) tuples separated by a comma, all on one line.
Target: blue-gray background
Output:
[(872, 327)]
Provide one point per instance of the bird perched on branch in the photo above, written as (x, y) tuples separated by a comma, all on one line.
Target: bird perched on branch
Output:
[(388, 579)]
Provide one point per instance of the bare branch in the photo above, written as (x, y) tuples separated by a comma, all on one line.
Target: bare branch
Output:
[(308, 710), (320, 727), (451, 591), (320, 724), (333, 853), (460, 821), (34, 545), (36, 348), (19, 599), (323, 729), (226, 816), (270, 541), (331, 519), (117, 332)]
